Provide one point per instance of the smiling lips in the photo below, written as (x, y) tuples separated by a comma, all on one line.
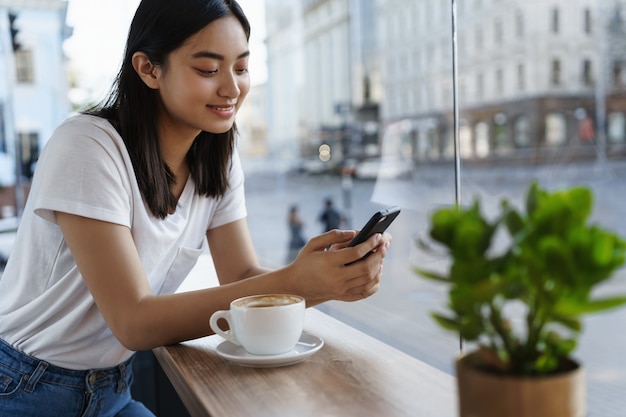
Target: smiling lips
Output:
[(222, 108), (225, 111)]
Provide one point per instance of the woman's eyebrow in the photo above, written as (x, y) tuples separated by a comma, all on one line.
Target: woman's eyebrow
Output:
[(213, 55)]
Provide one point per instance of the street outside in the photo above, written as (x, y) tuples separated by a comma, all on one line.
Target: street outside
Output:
[(399, 313)]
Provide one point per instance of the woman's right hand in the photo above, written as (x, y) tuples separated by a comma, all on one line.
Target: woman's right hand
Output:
[(327, 269)]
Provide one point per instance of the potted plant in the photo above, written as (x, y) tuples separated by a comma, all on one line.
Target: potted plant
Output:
[(520, 302)]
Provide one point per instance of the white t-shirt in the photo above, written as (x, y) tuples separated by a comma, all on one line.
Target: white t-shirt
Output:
[(46, 309)]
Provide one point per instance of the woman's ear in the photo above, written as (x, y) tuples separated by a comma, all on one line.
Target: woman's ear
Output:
[(146, 70)]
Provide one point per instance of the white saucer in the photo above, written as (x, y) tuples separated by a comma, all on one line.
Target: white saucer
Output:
[(306, 346)]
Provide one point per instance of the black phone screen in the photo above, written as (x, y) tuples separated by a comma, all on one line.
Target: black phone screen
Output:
[(378, 223)]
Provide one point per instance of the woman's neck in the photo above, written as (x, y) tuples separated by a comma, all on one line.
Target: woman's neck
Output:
[(174, 149)]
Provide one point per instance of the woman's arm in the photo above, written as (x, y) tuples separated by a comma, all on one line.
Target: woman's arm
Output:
[(109, 263), (233, 252), (318, 274)]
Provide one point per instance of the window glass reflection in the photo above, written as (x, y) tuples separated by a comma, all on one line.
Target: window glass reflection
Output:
[(541, 96)]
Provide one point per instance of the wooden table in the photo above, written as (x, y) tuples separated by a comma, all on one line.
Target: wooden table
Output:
[(352, 375)]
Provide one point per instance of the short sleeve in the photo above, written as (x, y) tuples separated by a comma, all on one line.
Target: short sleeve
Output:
[(83, 170), (232, 205)]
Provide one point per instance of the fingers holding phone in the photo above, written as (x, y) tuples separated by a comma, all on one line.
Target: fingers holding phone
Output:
[(377, 224), (336, 266), (367, 270)]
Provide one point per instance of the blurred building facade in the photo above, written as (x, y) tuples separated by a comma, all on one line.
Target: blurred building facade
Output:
[(33, 85), (321, 56), (535, 78), (285, 88)]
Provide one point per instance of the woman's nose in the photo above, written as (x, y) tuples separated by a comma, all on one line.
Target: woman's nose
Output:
[(229, 86)]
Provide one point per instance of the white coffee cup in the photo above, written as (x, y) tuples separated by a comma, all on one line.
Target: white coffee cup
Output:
[(267, 324)]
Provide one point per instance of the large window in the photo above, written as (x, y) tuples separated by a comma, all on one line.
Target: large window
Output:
[(531, 76)]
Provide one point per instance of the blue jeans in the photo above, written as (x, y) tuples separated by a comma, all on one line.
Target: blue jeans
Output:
[(32, 387)]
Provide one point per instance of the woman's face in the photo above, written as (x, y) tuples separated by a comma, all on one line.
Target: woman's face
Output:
[(206, 80)]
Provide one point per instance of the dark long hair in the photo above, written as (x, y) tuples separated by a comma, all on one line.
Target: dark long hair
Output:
[(158, 28)]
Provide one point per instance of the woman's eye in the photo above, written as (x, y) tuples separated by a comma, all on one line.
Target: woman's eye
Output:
[(242, 70), (207, 72)]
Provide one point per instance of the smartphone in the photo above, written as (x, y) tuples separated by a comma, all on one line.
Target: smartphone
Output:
[(378, 223)]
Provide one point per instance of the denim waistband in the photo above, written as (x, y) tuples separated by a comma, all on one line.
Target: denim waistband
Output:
[(38, 370)]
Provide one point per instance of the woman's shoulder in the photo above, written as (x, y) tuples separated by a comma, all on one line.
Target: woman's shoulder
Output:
[(85, 130), (86, 123)]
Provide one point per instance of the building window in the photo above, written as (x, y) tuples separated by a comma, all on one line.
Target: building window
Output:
[(501, 142), (520, 78), (498, 32), (482, 140), (500, 81), (465, 139), (555, 20), (24, 69), (556, 129), (433, 143), (555, 73), (479, 86), (618, 75), (3, 139), (587, 75), (519, 24), (587, 21), (479, 38), (521, 132), (616, 127)]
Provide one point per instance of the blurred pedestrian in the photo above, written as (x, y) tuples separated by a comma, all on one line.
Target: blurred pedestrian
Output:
[(330, 217), (296, 237)]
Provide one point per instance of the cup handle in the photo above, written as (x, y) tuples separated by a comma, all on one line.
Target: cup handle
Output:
[(226, 334)]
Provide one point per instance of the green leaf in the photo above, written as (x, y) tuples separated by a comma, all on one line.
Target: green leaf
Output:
[(443, 225), (471, 239), (467, 297), (533, 197), (571, 323), (446, 322), (431, 275), (575, 308), (471, 271), (580, 199), (607, 249), (513, 220), (556, 259)]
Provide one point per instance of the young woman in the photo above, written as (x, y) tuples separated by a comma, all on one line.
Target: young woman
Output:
[(124, 199)]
